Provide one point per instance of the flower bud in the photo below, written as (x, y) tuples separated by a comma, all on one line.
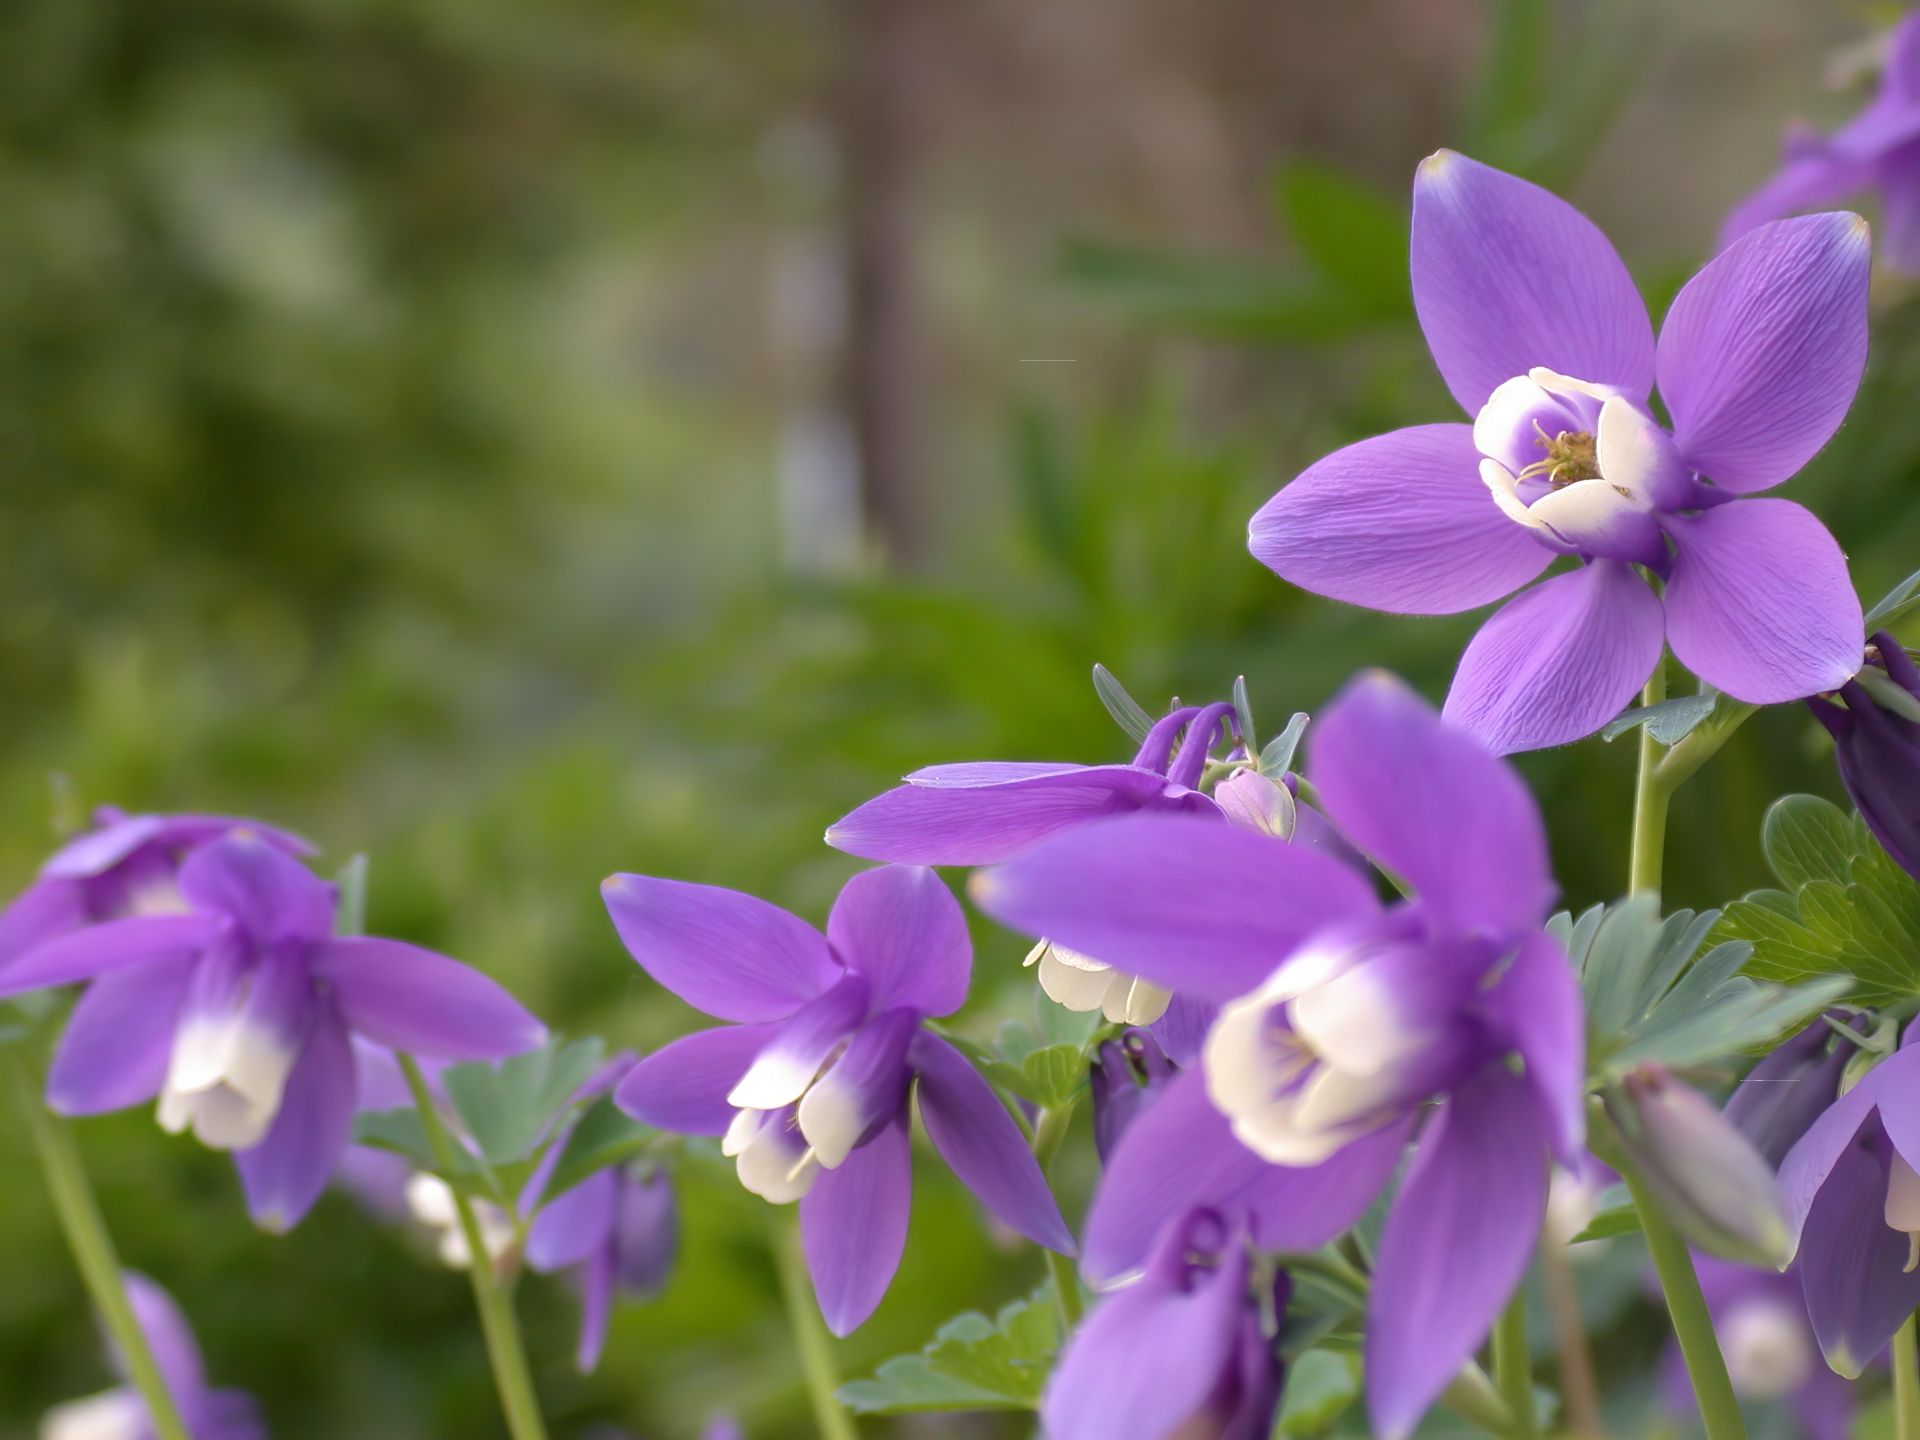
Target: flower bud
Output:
[(1787, 1091), (1876, 744), (1254, 802), (1127, 1077), (1709, 1179)]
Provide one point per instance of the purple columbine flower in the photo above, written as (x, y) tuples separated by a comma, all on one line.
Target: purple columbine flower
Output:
[(1760, 1320), (1879, 150), (1542, 338), (1340, 1021), (120, 1413), (1129, 1074), (1792, 1087), (809, 1085), (126, 865), (1853, 1203), (1179, 1353), (1878, 749), (238, 1015)]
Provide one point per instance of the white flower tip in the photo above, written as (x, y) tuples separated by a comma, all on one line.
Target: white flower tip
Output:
[(1768, 1349), (114, 1415)]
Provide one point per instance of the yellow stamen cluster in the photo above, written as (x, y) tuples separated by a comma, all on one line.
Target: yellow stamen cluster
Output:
[(1571, 456)]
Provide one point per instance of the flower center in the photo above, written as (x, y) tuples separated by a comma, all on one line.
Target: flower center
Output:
[(1571, 456)]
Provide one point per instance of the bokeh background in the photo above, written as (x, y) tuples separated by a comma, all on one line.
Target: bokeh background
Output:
[(523, 441)]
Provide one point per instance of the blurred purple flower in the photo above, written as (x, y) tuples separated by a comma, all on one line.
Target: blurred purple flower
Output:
[(238, 1013), (1129, 1074), (810, 1087), (1879, 150), (1317, 1072), (1878, 751), (1178, 1353), (1541, 336), (121, 1414), (1791, 1087)]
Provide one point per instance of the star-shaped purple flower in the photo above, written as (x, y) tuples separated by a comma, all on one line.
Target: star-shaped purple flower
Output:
[(1340, 1021), (1879, 150), (809, 1085), (1542, 338), (237, 1013)]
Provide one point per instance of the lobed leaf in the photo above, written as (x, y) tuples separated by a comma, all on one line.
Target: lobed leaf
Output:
[(973, 1363), (507, 1107)]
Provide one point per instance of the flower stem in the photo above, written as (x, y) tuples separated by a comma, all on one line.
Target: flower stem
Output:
[(1513, 1367), (1906, 1383), (809, 1331), (1650, 797), (1047, 1137), (505, 1351), (1577, 1387), (92, 1246)]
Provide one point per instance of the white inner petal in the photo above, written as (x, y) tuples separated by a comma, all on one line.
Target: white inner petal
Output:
[(774, 1079), (1587, 511), (775, 1163), (113, 1415), (159, 896), (225, 1078), (1632, 450), (1556, 383), (1132, 1001), (1078, 961), (832, 1118), (1506, 417), (1336, 1099), (1769, 1351), (1074, 986), (1505, 489)]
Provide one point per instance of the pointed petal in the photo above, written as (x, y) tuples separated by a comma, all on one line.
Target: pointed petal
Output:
[(117, 1041), (784, 1068), (732, 955), (1762, 351), (418, 1001), (568, 1230), (1536, 1009), (596, 1309), (112, 945), (1400, 522), (1808, 182), (1432, 805), (1814, 1155), (284, 1174), (1455, 1246), (1851, 1261), (268, 893), (1196, 908), (1760, 604), (1558, 661), (43, 911), (901, 928), (977, 1137), (683, 1087), (170, 1337), (1507, 276), (853, 1227)]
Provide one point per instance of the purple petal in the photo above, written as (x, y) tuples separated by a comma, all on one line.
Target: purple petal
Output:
[(1760, 604), (1899, 182), (901, 928), (43, 911), (1811, 1160), (1401, 522), (579, 1222), (1810, 181), (1183, 1029), (1456, 1244), (117, 1042), (1558, 661), (284, 1174), (415, 1000), (683, 1087), (977, 1137), (983, 774), (270, 895), (732, 955), (89, 854), (1851, 1262), (1198, 908), (170, 1338), (1536, 1009), (1763, 349), (112, 945), (596, 1309), (646, 1231), (1432, 805), (1824, 1406), (784, 1068), (941, 820), (853, 1226), (1507, 276)]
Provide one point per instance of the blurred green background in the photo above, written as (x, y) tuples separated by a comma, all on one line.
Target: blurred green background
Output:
[(527, 441)]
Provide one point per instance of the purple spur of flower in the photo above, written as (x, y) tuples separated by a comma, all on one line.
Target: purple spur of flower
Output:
[(1878, 150), (1340, 1021), (120, 1413), (1181, 1352), (1129, 1074), (1542, 338), (809, 1085), (1853, 1205), (1877, 749), (1791, 1087), (238, 1014), (125, 865)]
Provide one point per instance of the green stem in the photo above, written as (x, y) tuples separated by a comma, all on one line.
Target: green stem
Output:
[(1906, 1383), (809, 1331), (1513, 1367), (1047, 1137), (504, 1348), (92, 1246), (1650, 797), (1471, 1395)]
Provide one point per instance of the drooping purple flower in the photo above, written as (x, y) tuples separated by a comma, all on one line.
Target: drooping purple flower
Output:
[(238, 1015), (1179, 1353), (809, 1086), (1340, 1021), (1129, 1074), (1760, 1320), (1853, 1204), (1879, 150), (1791, 1087), (120, 1414), (1541, 336), (1878, 750)]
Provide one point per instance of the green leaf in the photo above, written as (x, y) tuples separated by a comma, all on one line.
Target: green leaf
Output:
[(1061, 1026), (1606, 1224), (401, 1132), (606, 1136), (1806, 838), (1669, 721), (1277, 758), (1894, 602), (350, 906), (1243, 713), (1350, 233), (505, 1107), (973, 1363), (1050, 1077), (1124, 709), (1320, 1385)]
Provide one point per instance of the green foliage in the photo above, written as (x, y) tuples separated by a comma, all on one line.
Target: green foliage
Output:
[(1321, 1384), (507, 1106), (605, 1136), (1050, 1077), (972, 1363), (1847, 909), (1668, 721)]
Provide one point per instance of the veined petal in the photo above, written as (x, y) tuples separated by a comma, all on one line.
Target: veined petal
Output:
[(1196, 908), (1507, 276), (112, 945), (732, 955), (1558, 661), (683, 1086), (268, 894), (864, 1086), (425, 1003), (285, 1173), (1401, 523), (1813, 1156), (1851, 1261), (1760, 604), (1522, 413), (853, 1226), (1634, 452), (1763, 350), (900, 927), (1598, 517), (781, 1072), (114, 1050), (1536, 1009), (1810, 181)]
